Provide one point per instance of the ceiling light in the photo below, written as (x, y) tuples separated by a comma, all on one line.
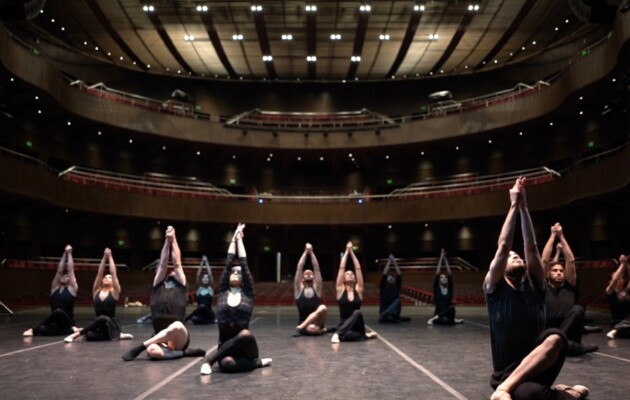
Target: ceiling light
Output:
[(365, 8), (434, 36), (321, 158), (287, 36), (69, 123), (39, 111), (189, 38), (237, 36), (355, 58), (96, 48), (130, 141), (534, 42), (52, 20), (267, 58), (36, 97), (121, 58), (256, 8), (383, 36), (148, 8), (100, 133), (311, 58), (556, 29), (473, 7), (418, 7), (310, 8), (63, 28), (179, 71), (335, 36), (202, 8), (148, 66), (198, 153), (566, 21), (551, 124)]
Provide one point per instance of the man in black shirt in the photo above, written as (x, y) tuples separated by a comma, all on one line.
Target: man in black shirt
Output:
[(169, 297), (561, 299), (525, 357)]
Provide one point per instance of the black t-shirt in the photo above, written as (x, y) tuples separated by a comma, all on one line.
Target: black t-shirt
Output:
[(517, 316), (168, 305), (559, 302)]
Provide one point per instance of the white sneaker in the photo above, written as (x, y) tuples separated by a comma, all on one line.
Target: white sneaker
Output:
[(205, 369)]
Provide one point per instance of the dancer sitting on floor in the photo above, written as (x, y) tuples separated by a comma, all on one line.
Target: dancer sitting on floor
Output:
[(169, 297), (618, 292), (105, 291), (389, 304), (63, 292), (237, 350), (444, 313), (307, 288), (526, 357), (562, 310), (351, 328), (203, 314)]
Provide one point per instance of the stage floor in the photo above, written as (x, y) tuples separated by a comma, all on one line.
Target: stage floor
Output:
[(408, 360)]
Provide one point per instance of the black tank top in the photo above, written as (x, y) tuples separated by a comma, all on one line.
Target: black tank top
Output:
[(307, 305), (63, 300), (105, 307), (347, 307)]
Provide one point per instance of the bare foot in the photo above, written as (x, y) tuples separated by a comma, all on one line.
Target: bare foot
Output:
[(571, 392)]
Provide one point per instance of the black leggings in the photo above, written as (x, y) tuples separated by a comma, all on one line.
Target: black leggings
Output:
[(101, 329), (572, 324), (57, 323), (238, 354), (202, 315), (445, 317), (536, 387), (352, 329)]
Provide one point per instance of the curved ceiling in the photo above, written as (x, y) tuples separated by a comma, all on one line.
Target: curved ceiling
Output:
[(338, 40)]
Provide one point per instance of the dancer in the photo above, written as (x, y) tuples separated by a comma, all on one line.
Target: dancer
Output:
[(169, 298), (390, 306), (105, 291), (63, 292), (444, 313), (618, 292), (307, 289), (562, 310), (351, 328), (526, 358), (237, 350), (203, 314)]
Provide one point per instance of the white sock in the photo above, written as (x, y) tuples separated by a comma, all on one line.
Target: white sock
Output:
[(265, 361), (206, 369)]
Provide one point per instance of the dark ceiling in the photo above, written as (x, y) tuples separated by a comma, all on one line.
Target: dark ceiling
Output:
[(392, 38)]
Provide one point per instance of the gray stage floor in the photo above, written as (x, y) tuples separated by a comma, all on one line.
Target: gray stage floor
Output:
[(408, 361)]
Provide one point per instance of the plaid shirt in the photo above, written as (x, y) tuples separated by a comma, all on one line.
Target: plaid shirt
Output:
[(232, 320)]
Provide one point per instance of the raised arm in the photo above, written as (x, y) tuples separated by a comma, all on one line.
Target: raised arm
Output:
[(318, 281), (448, 266), (176, 257), (620, 273), (204, 260), (114, 273), (439, 264), (570, 273), (548, 249), (398, 273), (247, 280), (200, 273), (98, 281), (357, 272), (532, 256), (162, 268), (299, 272), (504, 245), (224, 281), (389, 263), (342, 272), (73, 286)]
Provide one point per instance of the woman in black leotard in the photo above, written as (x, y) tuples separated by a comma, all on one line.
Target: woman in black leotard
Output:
[(444, 313), (237, 350), (307, 289), (203, 314), (349, 297), (105, 291), (63, 292)]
